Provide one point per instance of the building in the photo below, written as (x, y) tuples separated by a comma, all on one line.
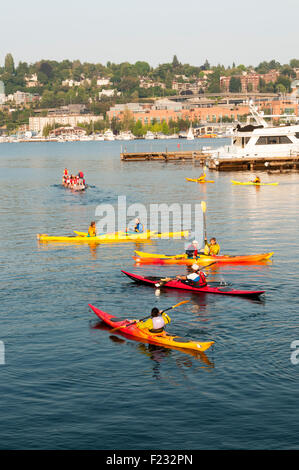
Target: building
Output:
[(38, 123), (249, 80), (109, 93), (32, 81), (103, 81), (209, 113)]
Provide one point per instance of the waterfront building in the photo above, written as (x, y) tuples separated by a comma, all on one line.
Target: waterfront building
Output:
[(38, 123), (2, 93)]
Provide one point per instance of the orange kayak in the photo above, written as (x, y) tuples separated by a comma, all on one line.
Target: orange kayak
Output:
[(151, 258)]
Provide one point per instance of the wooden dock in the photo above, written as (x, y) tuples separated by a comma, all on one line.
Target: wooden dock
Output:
[(195, 155), (290, 163)]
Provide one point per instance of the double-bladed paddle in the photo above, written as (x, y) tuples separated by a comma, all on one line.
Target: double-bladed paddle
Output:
[(145, 318)]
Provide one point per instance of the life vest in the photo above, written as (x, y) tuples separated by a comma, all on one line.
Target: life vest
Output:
[(92, 232), (139, 227), (158, 324), (198, 278), (80, 174)]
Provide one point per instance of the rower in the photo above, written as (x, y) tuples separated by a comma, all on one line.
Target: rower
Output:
[(157, 322), (138, 227), (212, 248), (196, 278), (92, 231), (256, 180), (192, 250), (202, 177)]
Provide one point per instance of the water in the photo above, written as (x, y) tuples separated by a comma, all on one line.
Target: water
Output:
[(68, 384)]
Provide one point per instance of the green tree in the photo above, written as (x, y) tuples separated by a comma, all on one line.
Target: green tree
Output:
[(9, 65), (235, 84)]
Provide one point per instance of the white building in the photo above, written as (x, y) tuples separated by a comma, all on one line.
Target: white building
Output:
[(103, 81), (109, 93), (38, 123)]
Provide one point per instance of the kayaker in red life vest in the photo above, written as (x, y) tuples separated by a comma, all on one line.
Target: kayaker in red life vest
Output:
[(192, 250), (196, 278), (157, 322)]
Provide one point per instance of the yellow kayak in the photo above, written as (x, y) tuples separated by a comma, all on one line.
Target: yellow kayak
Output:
[(251, 183), (109, 237), (153, 234), (82, 237), (198, 180)]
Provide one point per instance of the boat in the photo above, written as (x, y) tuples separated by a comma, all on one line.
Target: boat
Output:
[(152, 258), (198, 180), (120, 236), (154, 234), (259, 140), (152, 281), (149, 135), (251, 183), (190, 135), (108, 135), (106, 237), (163, 339)]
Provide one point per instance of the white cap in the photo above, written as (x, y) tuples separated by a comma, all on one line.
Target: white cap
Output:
[(195, 267), (195, 242)]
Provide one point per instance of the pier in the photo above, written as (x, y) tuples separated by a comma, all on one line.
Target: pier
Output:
[(289, 163), (195, 155)]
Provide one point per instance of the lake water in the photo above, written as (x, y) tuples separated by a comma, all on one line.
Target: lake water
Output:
[(68, 384)]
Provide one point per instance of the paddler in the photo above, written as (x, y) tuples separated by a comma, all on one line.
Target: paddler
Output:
[(92, 231), (192, 250), (256, 180), (138, 227), (157, 322), (212, 248), (202, 177), (197, 277)]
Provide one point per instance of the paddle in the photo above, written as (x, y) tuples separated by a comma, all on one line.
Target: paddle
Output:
[(145, 318), (167, 279), (204, 208)]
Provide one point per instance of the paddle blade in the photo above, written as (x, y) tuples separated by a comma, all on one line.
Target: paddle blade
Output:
[(203, 206)]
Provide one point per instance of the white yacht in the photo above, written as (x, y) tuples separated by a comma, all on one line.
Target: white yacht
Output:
[(190, 135), (261, 140), (126, 135), (149, 135), (108, 135)]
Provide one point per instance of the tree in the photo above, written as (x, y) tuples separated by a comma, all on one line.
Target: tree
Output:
[(235, 84), (175, 62), (9, 65)]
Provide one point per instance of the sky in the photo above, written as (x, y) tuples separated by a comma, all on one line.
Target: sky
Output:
[(244, 31)]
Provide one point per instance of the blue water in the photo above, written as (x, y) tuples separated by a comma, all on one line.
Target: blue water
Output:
[(69, 384)]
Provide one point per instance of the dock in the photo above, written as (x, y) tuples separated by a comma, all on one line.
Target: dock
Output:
[(167, 156), (289, 163)]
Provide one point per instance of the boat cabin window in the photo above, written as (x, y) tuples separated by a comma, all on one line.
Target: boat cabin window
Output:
[(297, 135), (271, 140)]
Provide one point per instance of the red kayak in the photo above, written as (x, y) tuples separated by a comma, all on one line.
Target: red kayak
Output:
[(208, 289), (163, 338)]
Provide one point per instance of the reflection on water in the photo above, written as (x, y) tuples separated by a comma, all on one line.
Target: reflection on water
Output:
[(156, 352), (61, 371)]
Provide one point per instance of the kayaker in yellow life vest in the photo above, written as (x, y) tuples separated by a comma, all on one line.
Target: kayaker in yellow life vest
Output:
[(92, 231), (256, 180), (202, 177), (157, 322), (212, 248)]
